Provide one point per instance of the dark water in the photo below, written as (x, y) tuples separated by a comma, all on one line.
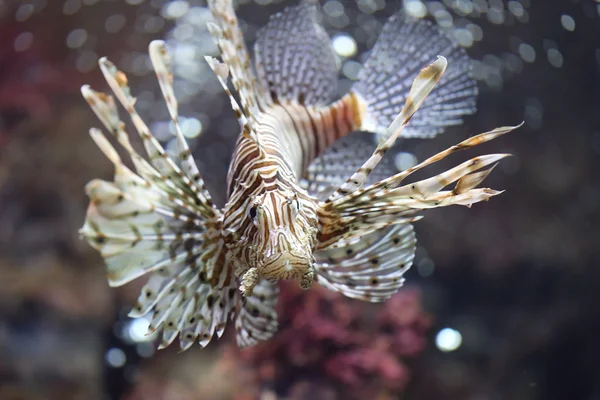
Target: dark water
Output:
[(518, 277)]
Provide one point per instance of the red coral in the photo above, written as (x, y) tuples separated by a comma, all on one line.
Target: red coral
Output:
[(355, 347)]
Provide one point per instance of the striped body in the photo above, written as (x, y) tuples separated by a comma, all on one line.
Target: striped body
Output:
[(296, 134), (270, 222), (299, 202)]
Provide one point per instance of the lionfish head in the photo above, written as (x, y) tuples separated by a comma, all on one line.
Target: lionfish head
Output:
[(279, 238)]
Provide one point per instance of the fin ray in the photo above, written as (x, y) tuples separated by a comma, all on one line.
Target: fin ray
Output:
[(257, 319), (405, 44), (161, 61), (422, 85), (371, 267), (387, 203), (295, 58), (330, 169), (227, 34)]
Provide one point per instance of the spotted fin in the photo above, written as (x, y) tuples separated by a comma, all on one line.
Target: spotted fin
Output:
[(137, 217), (198, 312), (190, 190), (229, 38), (139, 230), (221, 71), (387, 203), (330, 170), (421, 87), (161, 61), (133, 229), (256, 317), (295, 59), (370, 267), (158, 221), (404, 45)]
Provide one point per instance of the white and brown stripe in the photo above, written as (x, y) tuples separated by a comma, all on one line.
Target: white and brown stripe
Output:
[(266, 172), (160, 219)]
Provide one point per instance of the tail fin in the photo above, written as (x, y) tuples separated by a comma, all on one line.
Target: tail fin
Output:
[(420, 89), (294, 58), (404, 46)]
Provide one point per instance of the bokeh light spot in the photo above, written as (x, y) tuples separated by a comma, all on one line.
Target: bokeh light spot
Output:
[(23, 41), (115, 357), (448, 339), (137, 330), (404, 161), (567, 22), (76, 38), (344, 45)]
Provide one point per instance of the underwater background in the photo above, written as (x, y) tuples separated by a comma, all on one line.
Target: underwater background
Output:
[(503, 301)]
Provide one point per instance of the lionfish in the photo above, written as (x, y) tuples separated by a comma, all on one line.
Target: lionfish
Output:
[(301, 204)]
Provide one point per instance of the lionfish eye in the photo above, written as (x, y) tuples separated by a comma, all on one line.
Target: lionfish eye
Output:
[(252, 212), (294, 203)]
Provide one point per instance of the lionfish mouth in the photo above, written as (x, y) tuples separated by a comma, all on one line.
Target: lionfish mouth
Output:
[(285, 265)]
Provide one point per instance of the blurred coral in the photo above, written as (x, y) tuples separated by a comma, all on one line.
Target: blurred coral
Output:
[(344, 345)]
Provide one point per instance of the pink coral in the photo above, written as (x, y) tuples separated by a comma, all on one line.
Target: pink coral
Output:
[(352, 347)]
